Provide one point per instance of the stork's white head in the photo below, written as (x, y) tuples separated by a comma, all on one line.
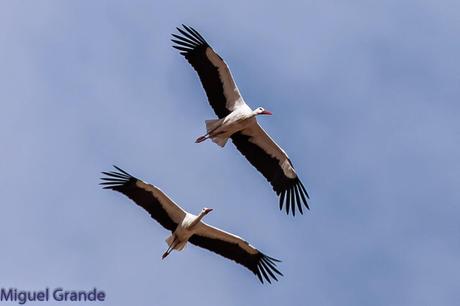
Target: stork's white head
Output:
[(261, 111), (206, 211)]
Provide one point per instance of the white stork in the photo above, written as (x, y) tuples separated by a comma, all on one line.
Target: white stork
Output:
[(237, 121), (188, 227)]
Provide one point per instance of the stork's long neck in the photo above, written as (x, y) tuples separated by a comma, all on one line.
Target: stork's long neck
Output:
[(197, 219)]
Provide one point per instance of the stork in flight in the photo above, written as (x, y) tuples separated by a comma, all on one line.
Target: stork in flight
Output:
[(186, 227), (238, 121)]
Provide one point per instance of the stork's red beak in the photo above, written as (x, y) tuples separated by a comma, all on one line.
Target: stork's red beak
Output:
[(265, 112), (208, 210)]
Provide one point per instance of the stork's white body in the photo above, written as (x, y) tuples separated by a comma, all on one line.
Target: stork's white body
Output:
[(178, 239), (219, 130)]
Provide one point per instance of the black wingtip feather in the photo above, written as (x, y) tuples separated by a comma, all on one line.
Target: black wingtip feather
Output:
[(201, 38), (288, 201), (272, 259), (116, 179), (122, 171), (266, 269), (297, 198), (283, 193), (262, 269), (259, 275), (192, 33), (189, 36), (182, 49), (303, 194), (184, 39), (189, 41), (303, 187), (115, 174), (272, 266), (183, 43), (293, 195), (293, 206)]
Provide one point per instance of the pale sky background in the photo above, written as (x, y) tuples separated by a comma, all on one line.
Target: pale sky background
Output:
[(365, 97)]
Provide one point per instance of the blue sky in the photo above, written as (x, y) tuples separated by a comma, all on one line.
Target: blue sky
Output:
[(365, 101)]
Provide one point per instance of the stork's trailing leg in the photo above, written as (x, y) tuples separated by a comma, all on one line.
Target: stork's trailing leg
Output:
[(211, 127), (170, 248), (165, 254), (202, 138)]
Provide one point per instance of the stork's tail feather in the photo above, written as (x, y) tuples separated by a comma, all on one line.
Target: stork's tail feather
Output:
[(170, 240), (177, 245), (221, 141), (212, 124), (180, 246)]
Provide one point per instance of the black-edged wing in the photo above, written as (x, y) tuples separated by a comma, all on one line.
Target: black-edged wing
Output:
[(215, 76), (274, 164), (147, 196), (237, 249)]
